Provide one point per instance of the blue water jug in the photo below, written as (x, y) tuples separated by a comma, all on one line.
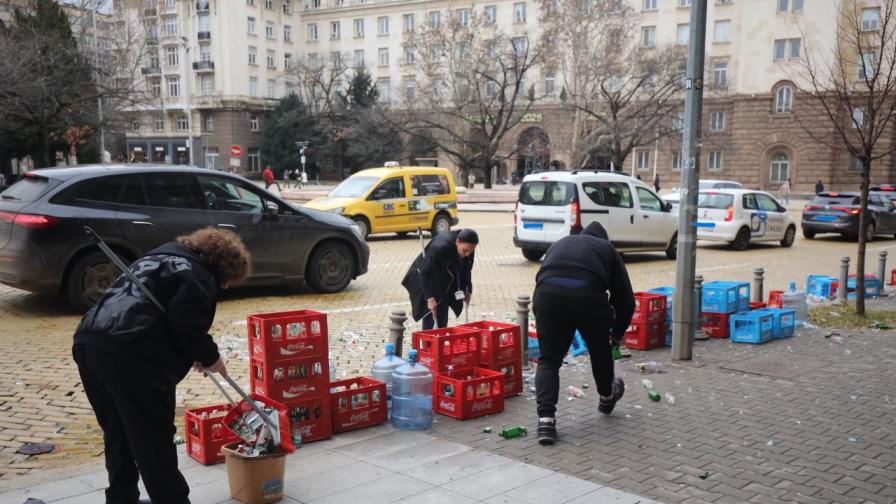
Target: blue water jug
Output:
[(412, 395), (383, 369)]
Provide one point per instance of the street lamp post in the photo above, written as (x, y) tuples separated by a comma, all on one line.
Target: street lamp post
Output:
[(99, 99), (188, 78), (302, 146)]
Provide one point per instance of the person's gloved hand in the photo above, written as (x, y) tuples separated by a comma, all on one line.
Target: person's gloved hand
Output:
[(218, 367)]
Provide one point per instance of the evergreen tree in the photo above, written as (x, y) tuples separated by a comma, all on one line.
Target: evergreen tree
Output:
[(369, 140), (288, 123)]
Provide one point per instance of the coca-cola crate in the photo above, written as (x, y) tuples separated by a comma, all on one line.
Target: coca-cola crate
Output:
[(644, 336), (314, 417), (513, 377), (457, 347), (358, 407), (280, 336), (291, 379), (775, 299), (469, 393), (893, 276), (649, 307), (715, 325), (206, 433), (498, 342)]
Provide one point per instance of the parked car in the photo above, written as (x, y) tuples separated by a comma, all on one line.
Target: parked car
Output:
[(554, 204), (831, 212), (395, 199), (741, 217), (887, 191), (674, 196), (43, 247)]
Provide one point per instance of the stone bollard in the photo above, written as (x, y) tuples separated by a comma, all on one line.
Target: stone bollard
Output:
[(698, 304), (843, 280), (758, 278), (396, 329), (882, 271), (522, 316)]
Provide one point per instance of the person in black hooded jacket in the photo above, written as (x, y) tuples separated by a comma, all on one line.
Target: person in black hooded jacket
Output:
[(131, 356), (582, 285)]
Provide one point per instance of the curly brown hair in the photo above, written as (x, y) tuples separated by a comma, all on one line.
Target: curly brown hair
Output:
[(221, 250)]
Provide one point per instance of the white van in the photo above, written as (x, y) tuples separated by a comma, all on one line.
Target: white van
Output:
[(554, 204)]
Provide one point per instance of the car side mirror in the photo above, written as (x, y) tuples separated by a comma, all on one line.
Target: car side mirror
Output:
[(271, 209), (667, 207)]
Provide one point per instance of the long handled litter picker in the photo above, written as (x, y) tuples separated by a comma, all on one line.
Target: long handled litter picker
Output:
[(275, 429)]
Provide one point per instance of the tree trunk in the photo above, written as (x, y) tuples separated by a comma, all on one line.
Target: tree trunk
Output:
[(43, 154), (487, 173), (863, 226)]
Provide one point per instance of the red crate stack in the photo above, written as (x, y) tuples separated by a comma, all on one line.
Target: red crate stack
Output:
[(499, 350), (289, 363), (649, 307), (775, 298), (206, 433), (358, 407), (438, 349), (715, 325), (893, 276), (645, 335), (469, 393)]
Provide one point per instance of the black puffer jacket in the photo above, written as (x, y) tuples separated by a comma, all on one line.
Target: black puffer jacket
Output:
[(126, 323), (439, 275)]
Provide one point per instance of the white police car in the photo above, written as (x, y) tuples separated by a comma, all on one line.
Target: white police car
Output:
[(742, 216)]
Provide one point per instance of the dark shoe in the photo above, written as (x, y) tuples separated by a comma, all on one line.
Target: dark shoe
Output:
[(547, 432), (606, 406)]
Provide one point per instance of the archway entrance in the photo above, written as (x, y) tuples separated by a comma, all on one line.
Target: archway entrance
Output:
[(533, 151)]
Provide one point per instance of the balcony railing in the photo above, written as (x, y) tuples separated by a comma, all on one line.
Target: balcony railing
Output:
[(204, 35), (151, 70), (204, 66), (150, 12), (202, 6)]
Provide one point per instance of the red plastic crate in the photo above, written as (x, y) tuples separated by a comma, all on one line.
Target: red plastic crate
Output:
[(457, 347), (649, 307), (513, 377), (715, 325), (498, 342), (469, 393), (644, 336), (893, 276), (206, 435), (290, 380), (314, 416), (775, 299), (280, 336), (356, 408), (756, 305)]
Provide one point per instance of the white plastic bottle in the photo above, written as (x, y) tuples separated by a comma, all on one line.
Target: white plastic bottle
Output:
[(796, 300)]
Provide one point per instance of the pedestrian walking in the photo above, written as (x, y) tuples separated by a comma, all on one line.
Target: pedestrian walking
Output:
[(131, 356), (572, 287), (784, 192), (471, 179), (304, 179), (656, 183), (819, 187), (268, 176), (441, 277), (286, 178)]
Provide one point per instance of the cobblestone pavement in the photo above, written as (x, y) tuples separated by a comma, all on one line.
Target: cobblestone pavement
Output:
[(722, 420)]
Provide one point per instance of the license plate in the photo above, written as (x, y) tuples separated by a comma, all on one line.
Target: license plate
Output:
[(536, 226), (706, 224), (825, 218)]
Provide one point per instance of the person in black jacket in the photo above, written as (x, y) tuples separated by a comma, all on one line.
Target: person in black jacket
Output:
[(582, 285), (441, 277), (131, 356)]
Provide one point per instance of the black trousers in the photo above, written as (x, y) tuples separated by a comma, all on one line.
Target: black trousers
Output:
[(134, 405), (440, 318), (560, 312)]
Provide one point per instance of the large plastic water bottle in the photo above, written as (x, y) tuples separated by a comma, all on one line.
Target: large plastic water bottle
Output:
[(412, 395), (796, 300), (383, 368)]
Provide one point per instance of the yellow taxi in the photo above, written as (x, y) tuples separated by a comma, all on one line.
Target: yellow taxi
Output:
[(395, 199)]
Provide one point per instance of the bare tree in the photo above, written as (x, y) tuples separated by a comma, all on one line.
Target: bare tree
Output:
[(852, 87), (465, 87), (622, 89)]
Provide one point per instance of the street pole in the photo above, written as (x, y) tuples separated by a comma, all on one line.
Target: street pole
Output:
[(188, 77), (99, 99), (683, 317)]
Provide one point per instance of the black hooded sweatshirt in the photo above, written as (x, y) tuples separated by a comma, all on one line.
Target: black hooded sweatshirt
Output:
[(125, 323), (589, 256)]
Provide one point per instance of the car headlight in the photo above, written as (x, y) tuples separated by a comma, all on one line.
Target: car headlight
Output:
[(337, 211)]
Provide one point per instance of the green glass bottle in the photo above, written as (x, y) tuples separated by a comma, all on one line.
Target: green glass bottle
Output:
[(653, 395), (513, 432)]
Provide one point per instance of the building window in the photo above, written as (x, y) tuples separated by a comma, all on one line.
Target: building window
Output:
[(855, 164), (787, 5), (253, 86), (155, 87), (684, 34), (781, 48), (383, 56), (643, 160), (312, 31), (676, 161), (205, 53), (408, 22), (866, 66), (250, 26), (272, 88), (722, 31), (716, 121), (359, 28), (549, 84), (208, 123), (268, 4), (684, 3), (154, 59), (382, 25), (287, 6), (491, 90), (207, 85), (173, 87), (649, 5), (678, 121), (463, 17), (269, 30), (250, 3), (410, 91), (648, 36), (408, 56), (254, 158), (204, 24), (253, 55), (271, 59), (171, 26), (253, 122), (520, 46), (715, 160), (385, 88), (336, 59), (858, 117), (171, 56), (335, 30), (287, 61), (870, 19), (134, 125), (519, 13), (720, 74), (784, 99), (779, 169), (435, 18), (158, 124), (181, 124), (491, 14), (359, 58), (287, 33)]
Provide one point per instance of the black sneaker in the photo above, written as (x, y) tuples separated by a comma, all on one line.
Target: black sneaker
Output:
[(606, 406), (547, 432)]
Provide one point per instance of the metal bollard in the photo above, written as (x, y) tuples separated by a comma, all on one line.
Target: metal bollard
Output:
[(396, 329), (522, 316), (882, 271), (758, 278), (843, 279), (698, 298)]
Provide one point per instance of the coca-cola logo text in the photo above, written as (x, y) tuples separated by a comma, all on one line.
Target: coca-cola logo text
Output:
[(482, 405), (358, 418), (445, 405)]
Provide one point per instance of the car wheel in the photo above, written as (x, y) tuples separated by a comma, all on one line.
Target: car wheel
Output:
[(789, 236), (808, 233), (869, 232), (88, 280), (532, 254), (331, 267), (742, 240), (363, 224), (440, 224), (672, 249)]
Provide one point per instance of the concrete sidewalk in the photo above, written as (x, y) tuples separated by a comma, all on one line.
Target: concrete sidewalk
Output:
[(375, 465)]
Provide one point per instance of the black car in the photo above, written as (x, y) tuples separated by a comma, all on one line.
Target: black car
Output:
[(43, 247), (831, 212)]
